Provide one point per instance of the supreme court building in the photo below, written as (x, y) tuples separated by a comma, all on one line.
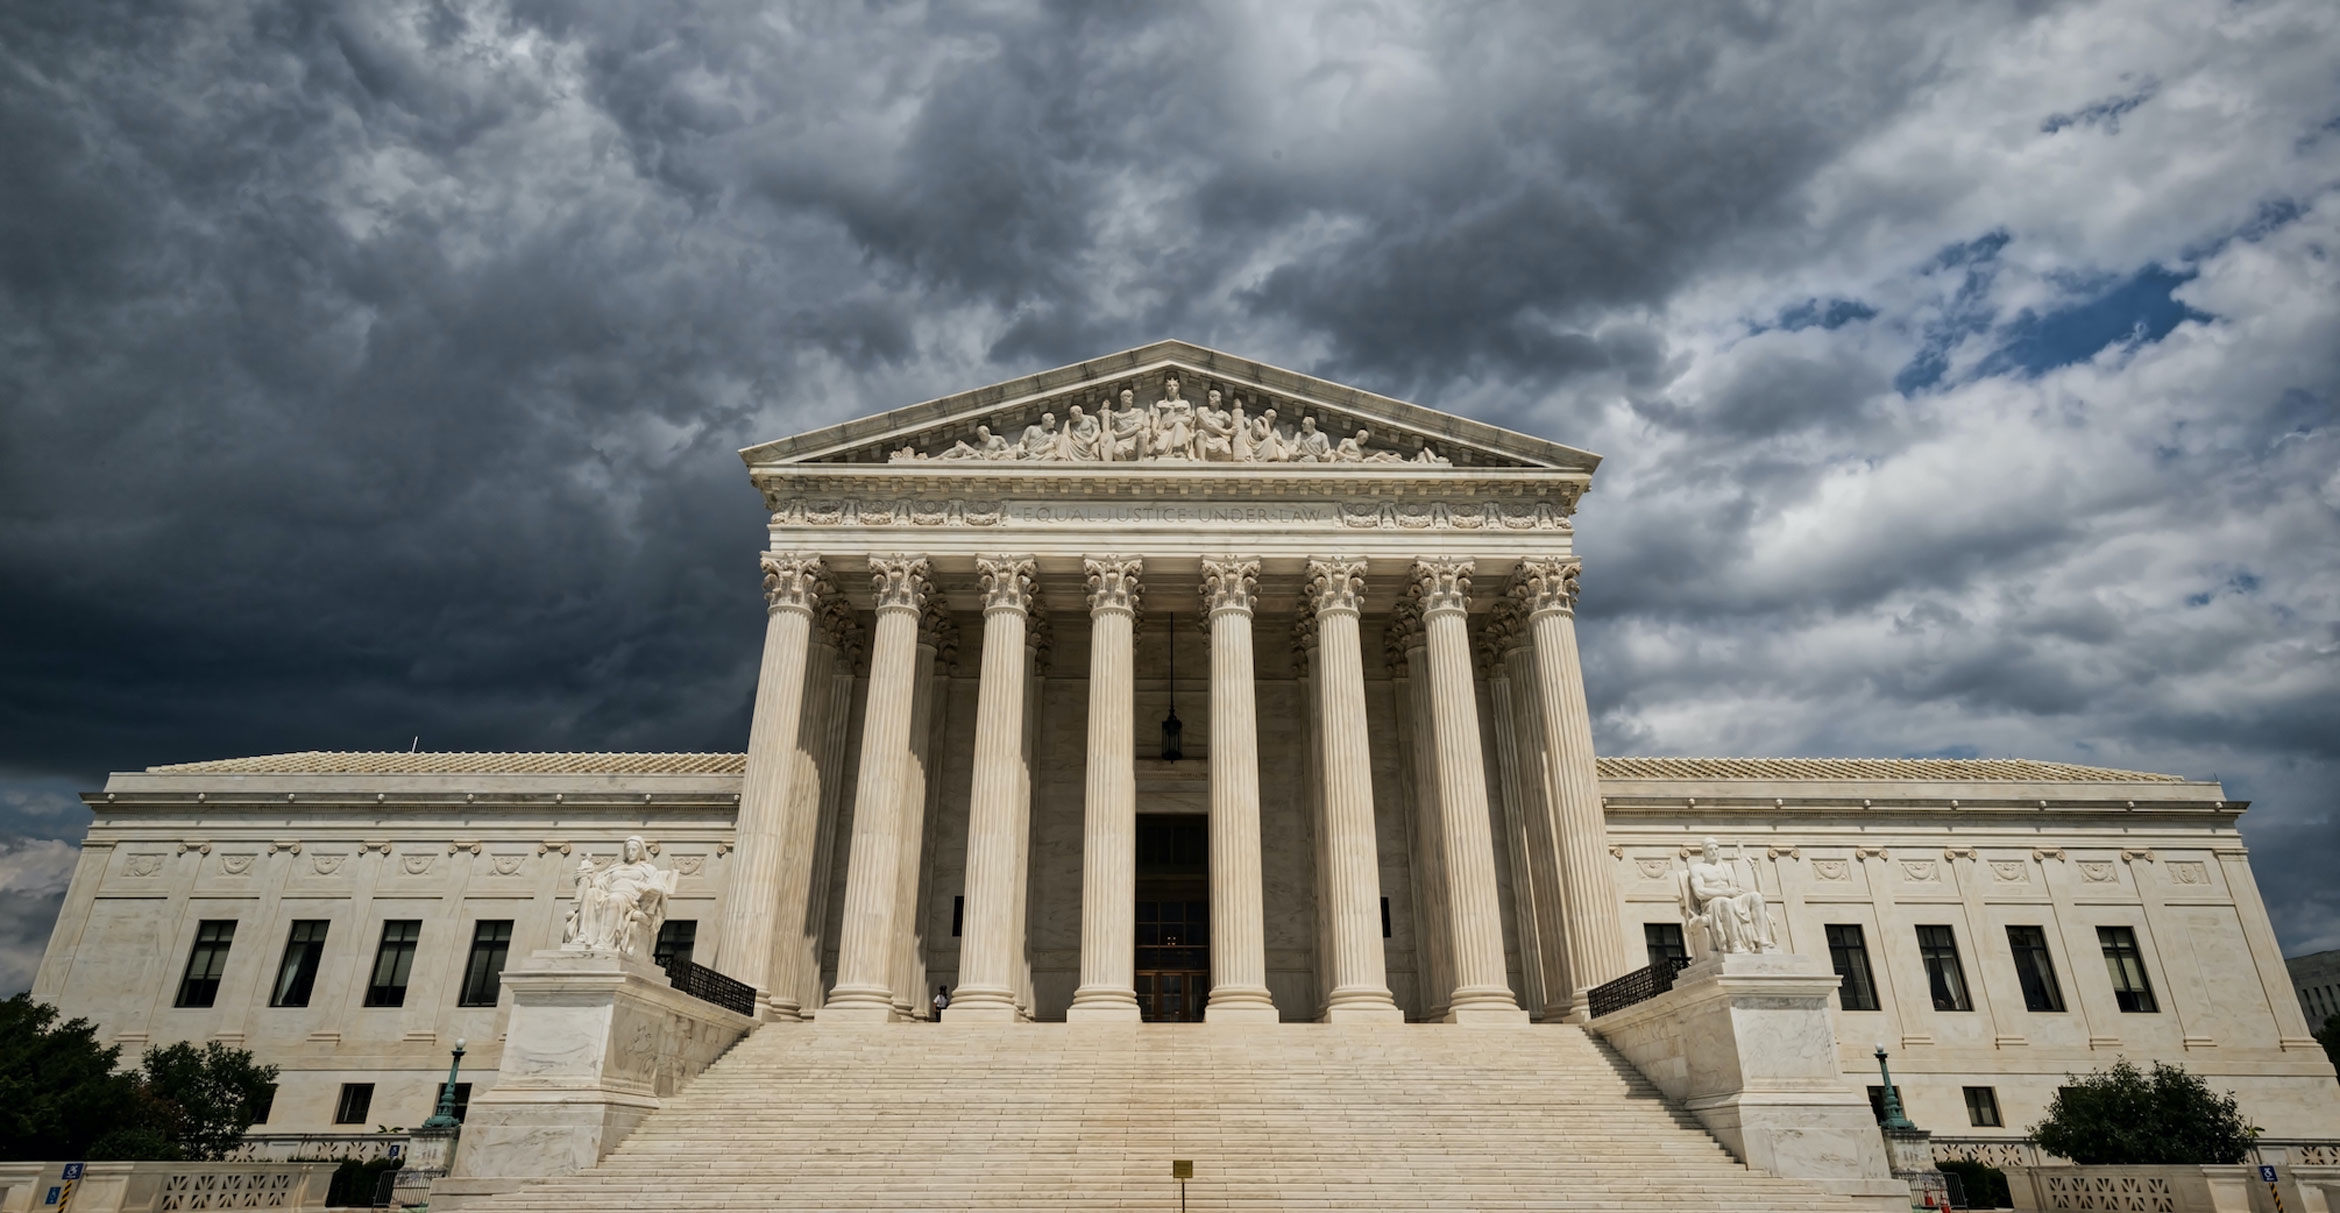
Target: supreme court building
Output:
[(1172, 686)]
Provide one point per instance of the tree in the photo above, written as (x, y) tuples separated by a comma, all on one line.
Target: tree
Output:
[(59, 1090), (215, 1093), (2124, 1117)]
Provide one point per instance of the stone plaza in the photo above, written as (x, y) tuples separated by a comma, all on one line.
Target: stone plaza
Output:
[(1215, 738)]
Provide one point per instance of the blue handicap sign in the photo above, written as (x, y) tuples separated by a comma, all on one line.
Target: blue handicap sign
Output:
[(53, 1192), (2266, 1173), (72, 1171)]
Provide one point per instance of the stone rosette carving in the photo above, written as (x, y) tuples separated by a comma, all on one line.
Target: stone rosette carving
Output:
[(1832, 869), (1440, 585), (326, 865), (900, 582), (2096, 871), (1920, 871), (793, 581), (1541, 585), (1114, 583), (143, 865), (1334, 584), (239, 864), (618, 906), (1005, 583), (1229, 583), (2010, 871), (416, 865), (1172, 429), (506, 865)]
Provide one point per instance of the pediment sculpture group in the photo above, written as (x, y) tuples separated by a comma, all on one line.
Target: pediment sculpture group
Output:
[(1172, 428)]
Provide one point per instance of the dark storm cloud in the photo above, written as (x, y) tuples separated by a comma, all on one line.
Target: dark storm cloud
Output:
[(373, 371)]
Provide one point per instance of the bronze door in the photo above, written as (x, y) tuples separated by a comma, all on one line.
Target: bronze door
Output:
[(1173, 960)]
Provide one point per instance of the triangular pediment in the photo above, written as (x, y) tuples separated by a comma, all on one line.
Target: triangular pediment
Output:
[(1128, 414)]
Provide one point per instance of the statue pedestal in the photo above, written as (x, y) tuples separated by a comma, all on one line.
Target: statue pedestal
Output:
[(430, 1150), (1745, 1042), (595, 1042), (1910, 1152)]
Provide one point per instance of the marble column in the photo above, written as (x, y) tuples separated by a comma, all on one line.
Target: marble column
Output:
[(1409, 658), (793, 586), (1109, 825), (1503, 697), (795, 933), (934, 627), (1546, 589), (1312, 791), (1482, 991), (1038, 639), (865, 947), (1239, 992), (822, 783), (1543, 854), (988, 955), (1360, 980)]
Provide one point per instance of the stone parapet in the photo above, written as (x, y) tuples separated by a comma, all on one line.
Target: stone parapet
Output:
[(1744, 1043)]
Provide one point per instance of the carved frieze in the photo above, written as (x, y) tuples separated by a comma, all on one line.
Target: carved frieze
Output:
[(1540, 514), (1832, 869)]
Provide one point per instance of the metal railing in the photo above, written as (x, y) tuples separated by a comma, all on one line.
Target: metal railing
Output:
[(1640, 985), (707, 985)]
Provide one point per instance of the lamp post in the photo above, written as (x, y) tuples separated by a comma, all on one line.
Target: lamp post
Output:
[(1894, 1120), (444, 1118), (1171, 728)]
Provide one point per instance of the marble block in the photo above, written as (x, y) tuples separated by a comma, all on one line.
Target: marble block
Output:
[(597, 1040), (1744, 1041)]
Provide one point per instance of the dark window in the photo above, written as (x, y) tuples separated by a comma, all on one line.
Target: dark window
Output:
[(483, 974), (677, 939), (357, 1099), (393, 963), (462, 1100), (958, 915), (2127, 966), (1944, 975), (264, 1106), (296, 974), (206, 962), (1385, 918), (1982, 1107), (1877, 1101), (1169, 843), (1663, 940), (2035, 969), (1848, 950)]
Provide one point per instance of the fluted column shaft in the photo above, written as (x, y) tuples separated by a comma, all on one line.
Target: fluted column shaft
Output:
[(1360, 978), (823, 783), (1596, 939), (865, 948), (1434, 929), (1543, 853), (988, 955), (1109, 824), (793, 585), (1503, 708), (1239, 990), (1482, 990), (1036, 642), (795, 933), (909, 1000)]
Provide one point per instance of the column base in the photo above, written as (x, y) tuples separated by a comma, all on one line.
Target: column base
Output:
[(978, 1005), (849, 1005), (1364, 1012), (779, 1010), (1484, 1006), (835, 1014), (1102, 1004), (1240, 1004)]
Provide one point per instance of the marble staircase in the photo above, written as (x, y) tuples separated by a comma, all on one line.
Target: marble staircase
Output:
[(1057, 1116)]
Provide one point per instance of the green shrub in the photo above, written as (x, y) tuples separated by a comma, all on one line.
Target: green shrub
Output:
[(1986, 1185), (61, 1096), (2124, 1117)]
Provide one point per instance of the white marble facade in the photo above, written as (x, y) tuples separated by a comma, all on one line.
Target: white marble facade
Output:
[(966, 665)]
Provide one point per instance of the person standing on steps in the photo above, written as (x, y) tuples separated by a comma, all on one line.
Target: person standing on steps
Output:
[(942, 1002)]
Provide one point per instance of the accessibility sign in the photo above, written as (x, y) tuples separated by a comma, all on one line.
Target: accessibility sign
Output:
[(2266, 1173)]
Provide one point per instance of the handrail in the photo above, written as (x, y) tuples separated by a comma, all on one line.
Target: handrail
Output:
[(1640, 985), (707, 985)]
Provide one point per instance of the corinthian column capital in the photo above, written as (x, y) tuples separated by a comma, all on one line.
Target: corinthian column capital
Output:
[(1005, 582), (1404, 632), (938, 631), (900, 582), (794, 581), (1440, 585), (1229, 583), (1546, 585), (1335, 584), (1113, 583)]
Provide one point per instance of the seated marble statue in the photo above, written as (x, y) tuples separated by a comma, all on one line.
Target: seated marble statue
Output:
[(1216, 427), (1720, 896), (1039, 438), (1311, 445), (1081, 438), (1129, 432), (619, 908)]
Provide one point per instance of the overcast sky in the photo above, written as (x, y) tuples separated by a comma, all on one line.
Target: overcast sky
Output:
[(1968, 375)]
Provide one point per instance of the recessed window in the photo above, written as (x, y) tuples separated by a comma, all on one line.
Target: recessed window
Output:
[(357, 1100), (1848, 950), (206, 961), (678, 938), (1385, 918), (462, 1105), (2126, 965), (1945, 976), (2035, 969), (264, 1106), (296, 974), (1982, 1107), (1663, 941), (393, 963), (958, 915), (483, 974)]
